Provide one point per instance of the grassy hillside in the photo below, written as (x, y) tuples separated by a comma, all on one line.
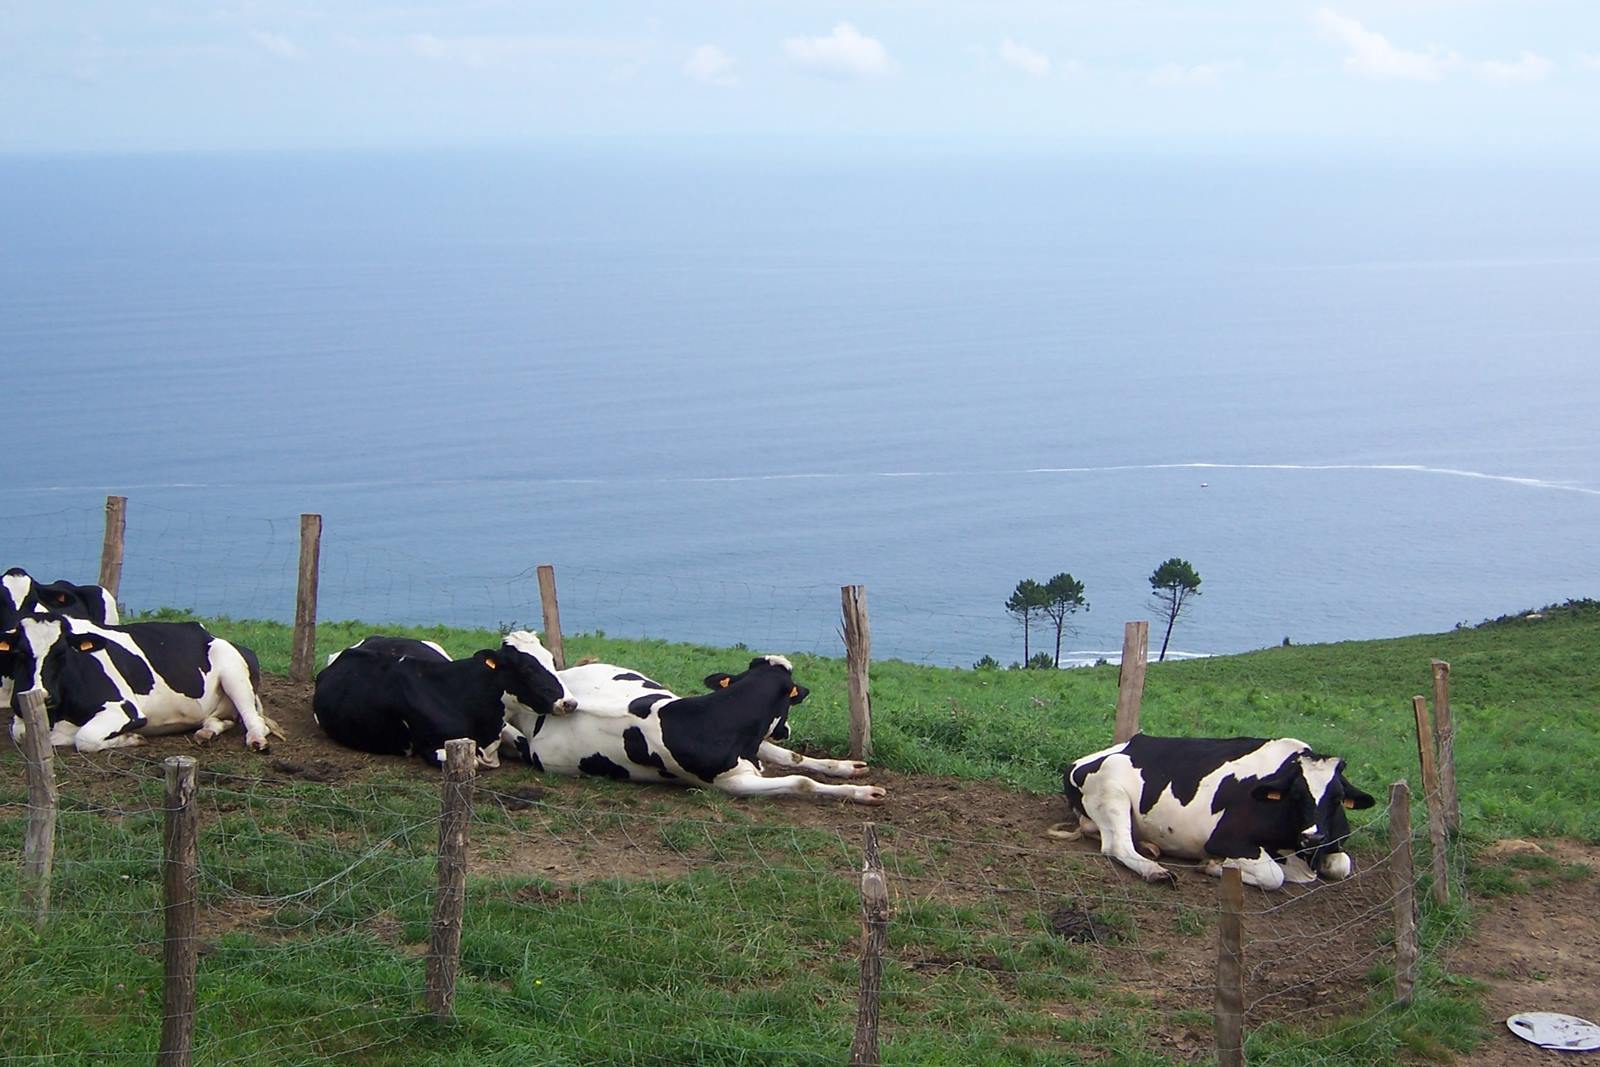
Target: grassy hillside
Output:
[(728, 940), (1525, 693)]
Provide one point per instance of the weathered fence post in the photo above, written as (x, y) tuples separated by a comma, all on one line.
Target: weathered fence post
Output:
[(1403, 884), (1230, 971), (180, 883), (450, 900), (1130, 678), (552, 615), (874, 938), (1433, 800), (857, 656), (39, 839), (1445, 727), (111, 548), (304, 654)]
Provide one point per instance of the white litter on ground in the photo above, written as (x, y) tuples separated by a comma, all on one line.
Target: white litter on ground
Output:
[(1548, 1029)]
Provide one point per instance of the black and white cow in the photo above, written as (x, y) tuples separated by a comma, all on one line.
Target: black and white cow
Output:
[(1272, 808), (399, 696), (628, 727), (21, 595), (111, 686)]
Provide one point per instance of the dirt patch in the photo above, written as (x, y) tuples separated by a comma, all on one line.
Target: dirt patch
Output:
[(1537, 947)]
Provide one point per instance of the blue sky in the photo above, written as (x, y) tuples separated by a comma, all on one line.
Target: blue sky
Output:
[(1511, 76)]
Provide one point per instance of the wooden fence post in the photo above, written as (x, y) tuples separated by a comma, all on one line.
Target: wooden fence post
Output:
[(1230, 971), (874, 938), (302, 659), (111, 548), (1130, 678), (552, 615), (858, 655), (1433, 800), (180, 884), (1403, 884), (1445, 728), (450, 900), (39, 839)]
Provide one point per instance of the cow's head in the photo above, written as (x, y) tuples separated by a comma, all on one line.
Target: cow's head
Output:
[(44, 653), (528, 681), (16, 591), (1314, 795), (777, 668)]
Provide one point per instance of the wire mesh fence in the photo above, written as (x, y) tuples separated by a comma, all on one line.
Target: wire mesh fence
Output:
[(615, 924)]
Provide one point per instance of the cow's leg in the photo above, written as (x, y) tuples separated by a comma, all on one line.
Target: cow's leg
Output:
[(746, 781), (1261, 871), (778, 756), (212, 727), (234, 678), (1113, 818), (1335, 866), (110, 728), (1298, 871)]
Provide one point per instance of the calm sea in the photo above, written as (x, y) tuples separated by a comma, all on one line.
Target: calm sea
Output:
[(1358, 396)]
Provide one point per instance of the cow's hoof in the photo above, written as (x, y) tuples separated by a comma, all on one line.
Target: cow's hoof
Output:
[(1149, 849), (258, 744), (856, 769), (874, 795), (1162, 877), (201, 737)]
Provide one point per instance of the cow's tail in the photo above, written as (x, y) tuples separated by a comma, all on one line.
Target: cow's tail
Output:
[(1065, 831)]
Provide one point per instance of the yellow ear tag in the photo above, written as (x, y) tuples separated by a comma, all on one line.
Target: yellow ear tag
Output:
[(85, 646), (794, 691), (1274, 795), (724, 682), (488, 661), (1349, 803)]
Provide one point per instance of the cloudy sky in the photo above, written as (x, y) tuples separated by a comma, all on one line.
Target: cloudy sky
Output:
[(1496, 75)]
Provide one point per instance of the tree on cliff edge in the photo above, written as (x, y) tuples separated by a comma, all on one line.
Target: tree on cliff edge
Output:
[(1027, 603), (1174, 583)]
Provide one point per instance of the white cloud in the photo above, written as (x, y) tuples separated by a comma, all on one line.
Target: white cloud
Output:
[(1590, 60), (278, 45), (1200, 74), (1024, 58), (1527, 67), (711, 65), (1371, 55), (845, 53)]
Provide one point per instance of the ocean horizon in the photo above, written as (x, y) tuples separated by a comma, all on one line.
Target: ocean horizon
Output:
[(1352, 393)]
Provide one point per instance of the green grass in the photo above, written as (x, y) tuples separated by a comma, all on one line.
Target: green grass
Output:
[(317, 897)]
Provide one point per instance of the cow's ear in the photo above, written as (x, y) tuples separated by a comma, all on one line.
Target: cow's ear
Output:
[(1270, 790), (1355, 799), (718, 681)]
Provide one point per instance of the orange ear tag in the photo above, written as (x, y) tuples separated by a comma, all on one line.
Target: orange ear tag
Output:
[(488, 661), (724, 682), (794, 691), (5, 646), (1349, 803), (1274, 795), (85, 646)]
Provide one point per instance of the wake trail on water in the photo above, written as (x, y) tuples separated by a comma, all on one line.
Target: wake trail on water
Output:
[(731, 479)]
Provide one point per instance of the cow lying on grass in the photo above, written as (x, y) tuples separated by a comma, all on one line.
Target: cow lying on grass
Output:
[(1272, 808), (632, 729), (402, 697), (21, 594), (110, 686)]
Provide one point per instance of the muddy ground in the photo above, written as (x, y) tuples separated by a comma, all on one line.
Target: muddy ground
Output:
[(1308, 950)]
